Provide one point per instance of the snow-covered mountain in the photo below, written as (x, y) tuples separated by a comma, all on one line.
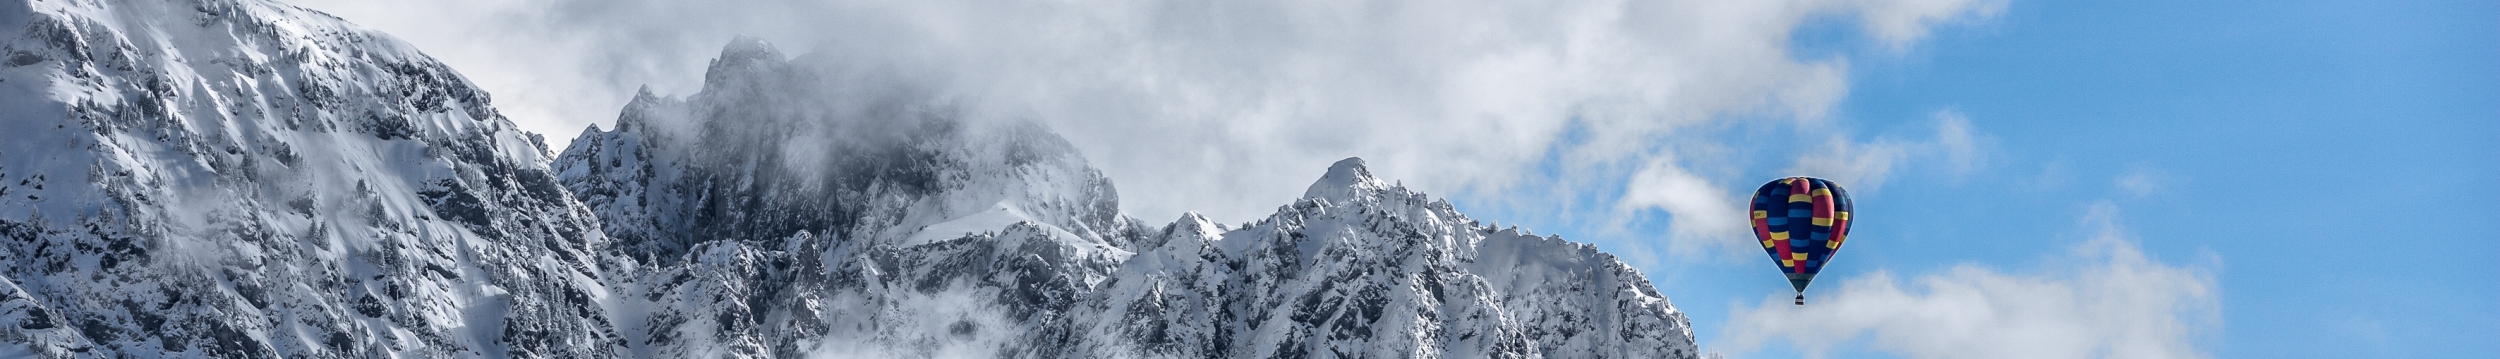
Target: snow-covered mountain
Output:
[(1358, 268), (240, 178), (222, 178), (787, 210), (791, 208), (771, 146)]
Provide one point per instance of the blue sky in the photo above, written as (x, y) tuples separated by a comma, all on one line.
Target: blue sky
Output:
[(2318, 159)]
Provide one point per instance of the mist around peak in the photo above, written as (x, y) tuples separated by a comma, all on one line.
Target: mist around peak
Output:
[(876, 198)]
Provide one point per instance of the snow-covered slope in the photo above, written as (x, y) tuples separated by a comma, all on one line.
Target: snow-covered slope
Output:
[(238, 178), (796, 210), (1357, 268), (771, 146), (789, 209)]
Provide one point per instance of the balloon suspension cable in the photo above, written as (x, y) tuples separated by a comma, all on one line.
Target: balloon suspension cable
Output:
[(1801, 299)]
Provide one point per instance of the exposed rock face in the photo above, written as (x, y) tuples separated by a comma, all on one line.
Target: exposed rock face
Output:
[(1361, 269), (245, 179), (876, 186), (787, 210), (238, 178), (770, 147)]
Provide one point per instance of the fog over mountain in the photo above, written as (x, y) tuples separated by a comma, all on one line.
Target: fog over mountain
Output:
[(790, 208), (242, 178)]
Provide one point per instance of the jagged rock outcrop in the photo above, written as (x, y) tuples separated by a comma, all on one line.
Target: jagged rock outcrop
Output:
[(786, 210), (704, 187), (245, 179), (773, 146), (1358, 268)]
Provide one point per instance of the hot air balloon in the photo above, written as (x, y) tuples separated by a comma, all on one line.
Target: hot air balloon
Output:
[(1801, 221)]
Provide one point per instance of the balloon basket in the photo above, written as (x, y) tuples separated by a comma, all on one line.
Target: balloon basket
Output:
[(1801, 299)]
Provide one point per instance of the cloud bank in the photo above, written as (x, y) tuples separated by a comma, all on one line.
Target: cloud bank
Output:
[(1706, 218), (2104, 300), (1229, 108)]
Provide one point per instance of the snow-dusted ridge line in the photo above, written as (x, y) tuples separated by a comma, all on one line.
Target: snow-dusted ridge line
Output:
[(1361, 268), (241, 178), (1358, 267), (249, 179)]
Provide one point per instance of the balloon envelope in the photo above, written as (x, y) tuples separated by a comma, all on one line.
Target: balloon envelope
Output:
[(1801, 221)]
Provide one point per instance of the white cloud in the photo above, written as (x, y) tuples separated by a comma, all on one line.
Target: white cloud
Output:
[(1900, 22), (1860, 167), (1865, 166), (1962, 148), (1227, 108), (1703, 216), (2143, 180), (2104, 300)]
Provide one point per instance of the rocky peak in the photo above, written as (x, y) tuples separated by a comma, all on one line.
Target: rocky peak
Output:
[(747, 49), (1346, 179), (773, 146), (1360, 269), (744, 60)]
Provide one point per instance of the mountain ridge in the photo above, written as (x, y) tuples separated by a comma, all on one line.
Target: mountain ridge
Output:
[(251, 179), (242, 178)]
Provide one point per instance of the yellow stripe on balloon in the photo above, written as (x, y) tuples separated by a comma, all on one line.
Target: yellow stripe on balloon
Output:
[(1761, 214), (1842, 215), (1801, 197), (1779, 236), (1797, 256), (1820, 221)]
